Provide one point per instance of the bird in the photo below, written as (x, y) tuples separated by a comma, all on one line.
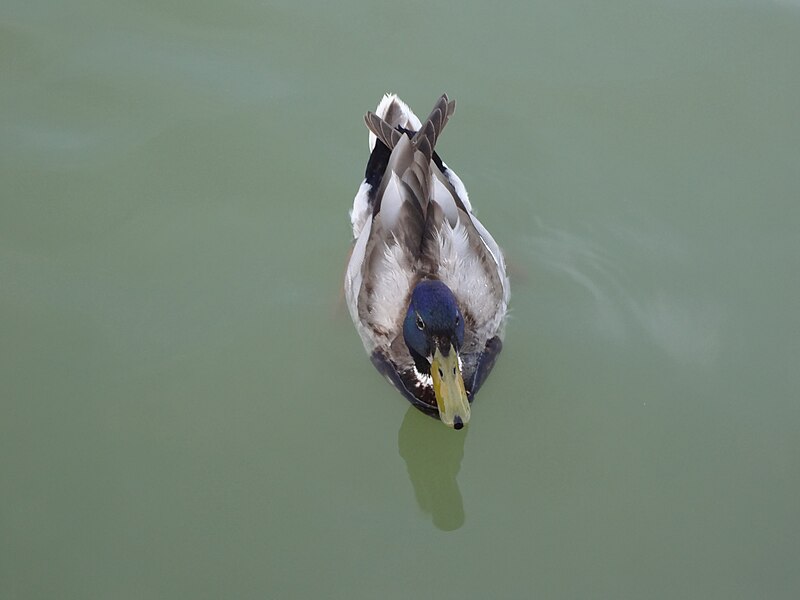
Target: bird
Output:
[(426, 283)]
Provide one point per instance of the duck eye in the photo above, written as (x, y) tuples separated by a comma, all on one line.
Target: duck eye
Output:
[(420, 323), (458, 320)]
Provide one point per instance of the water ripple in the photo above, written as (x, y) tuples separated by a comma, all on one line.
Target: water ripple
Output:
[(636, 282)]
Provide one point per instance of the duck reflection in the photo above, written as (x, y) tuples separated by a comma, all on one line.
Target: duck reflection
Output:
[(433, 456)]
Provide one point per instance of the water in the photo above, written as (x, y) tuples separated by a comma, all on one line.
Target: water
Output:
[(186, 408)]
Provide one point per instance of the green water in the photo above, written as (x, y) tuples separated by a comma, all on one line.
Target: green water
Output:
[(185, 408)]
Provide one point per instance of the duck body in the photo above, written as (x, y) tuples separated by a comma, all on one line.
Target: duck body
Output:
[(426, 284)]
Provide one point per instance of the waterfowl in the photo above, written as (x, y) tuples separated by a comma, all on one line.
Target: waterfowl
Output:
[(426, 284)]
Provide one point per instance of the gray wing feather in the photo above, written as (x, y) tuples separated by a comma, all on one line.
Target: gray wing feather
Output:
[(411, 237), (425, 139), (385, 132)]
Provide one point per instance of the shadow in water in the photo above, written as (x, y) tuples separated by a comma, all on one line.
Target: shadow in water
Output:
[(433, 456)]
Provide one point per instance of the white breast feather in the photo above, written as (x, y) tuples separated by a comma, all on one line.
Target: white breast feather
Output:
[(390, 287), (496, 254), (461, 270)]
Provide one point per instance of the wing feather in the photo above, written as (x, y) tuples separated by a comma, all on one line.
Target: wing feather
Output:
[(421, 225)]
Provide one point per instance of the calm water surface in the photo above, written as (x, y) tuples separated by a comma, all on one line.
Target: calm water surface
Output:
[(185, 408)]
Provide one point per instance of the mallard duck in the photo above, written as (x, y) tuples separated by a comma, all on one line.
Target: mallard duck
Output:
[(426, 284)]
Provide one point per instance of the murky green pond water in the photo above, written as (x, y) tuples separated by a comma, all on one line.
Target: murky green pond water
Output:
[(185, 408)]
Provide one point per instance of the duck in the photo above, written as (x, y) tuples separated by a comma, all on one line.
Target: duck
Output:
[(426, 283)]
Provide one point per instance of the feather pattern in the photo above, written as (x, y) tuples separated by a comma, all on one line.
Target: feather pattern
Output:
[(412, 220)]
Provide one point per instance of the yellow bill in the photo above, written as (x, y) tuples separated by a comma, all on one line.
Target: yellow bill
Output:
[(448, 385)]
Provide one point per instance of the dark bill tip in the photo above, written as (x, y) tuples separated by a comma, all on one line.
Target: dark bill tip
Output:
[(457, 423)]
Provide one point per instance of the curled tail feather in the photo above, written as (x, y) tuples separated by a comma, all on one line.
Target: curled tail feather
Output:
[(382, 130), (423, 140)]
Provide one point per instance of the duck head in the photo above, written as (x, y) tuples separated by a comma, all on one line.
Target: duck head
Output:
[(433, 330)]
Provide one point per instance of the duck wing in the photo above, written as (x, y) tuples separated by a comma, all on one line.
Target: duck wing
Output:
[(415, 220), (460, 251), (386, 257)]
